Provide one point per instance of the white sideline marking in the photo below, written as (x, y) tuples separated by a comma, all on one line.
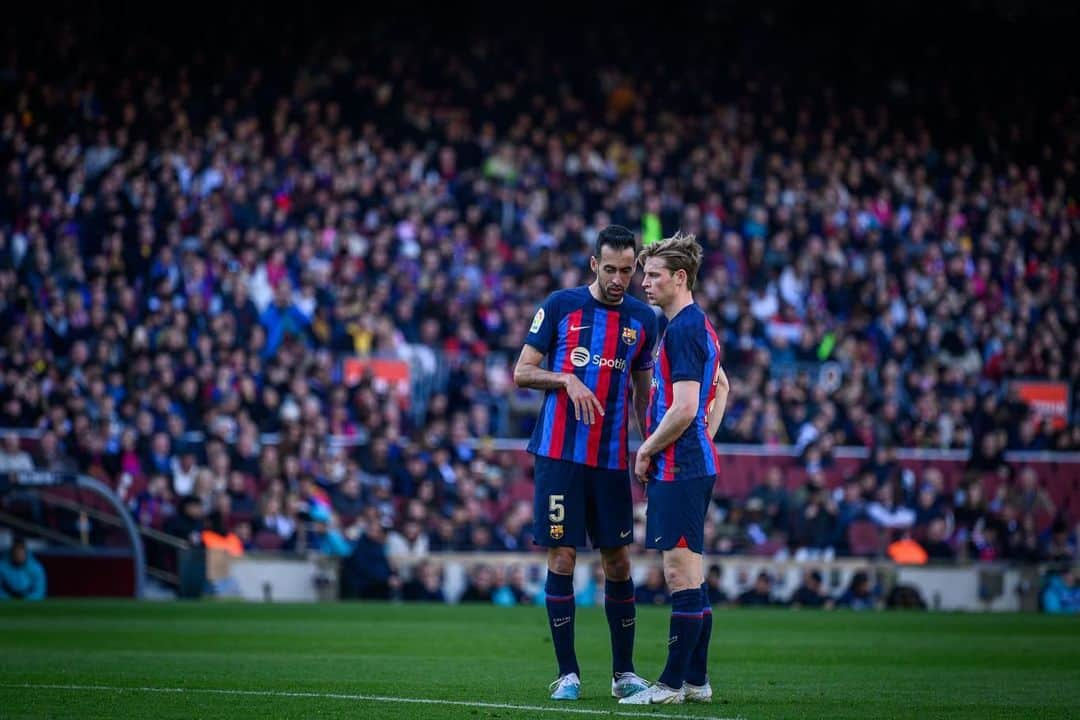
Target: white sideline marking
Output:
[(360, 698)]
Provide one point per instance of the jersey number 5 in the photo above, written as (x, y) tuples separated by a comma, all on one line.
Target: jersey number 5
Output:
[(558, 510)]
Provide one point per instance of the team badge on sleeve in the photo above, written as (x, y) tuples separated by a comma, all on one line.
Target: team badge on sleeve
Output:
[(629, 335), (538, 320)]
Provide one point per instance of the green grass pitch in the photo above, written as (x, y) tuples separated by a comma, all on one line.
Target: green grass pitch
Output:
[(214, 660)]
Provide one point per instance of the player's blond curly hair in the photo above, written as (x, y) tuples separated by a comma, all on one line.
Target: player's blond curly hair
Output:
[(679, 252)]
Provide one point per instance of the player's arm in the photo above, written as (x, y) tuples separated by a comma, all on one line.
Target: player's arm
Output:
[(529, 374), (683, 410), (642, 382), (716, 413)]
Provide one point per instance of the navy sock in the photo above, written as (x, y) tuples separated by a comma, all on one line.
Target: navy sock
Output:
[(621, 616), (561, 609), (697, 670), (683, 638)]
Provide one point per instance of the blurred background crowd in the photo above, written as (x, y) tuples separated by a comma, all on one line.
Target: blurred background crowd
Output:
[(193, 244)]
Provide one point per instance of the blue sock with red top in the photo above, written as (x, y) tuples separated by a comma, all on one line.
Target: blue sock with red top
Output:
[(683, 638), (561, 610), (697, 671), (621, 615)]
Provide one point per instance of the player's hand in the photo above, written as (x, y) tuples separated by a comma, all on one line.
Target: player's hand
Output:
[(587, 407), (642, 463)]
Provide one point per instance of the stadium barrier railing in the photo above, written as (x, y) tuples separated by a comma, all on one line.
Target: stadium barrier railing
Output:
[(27, 495)]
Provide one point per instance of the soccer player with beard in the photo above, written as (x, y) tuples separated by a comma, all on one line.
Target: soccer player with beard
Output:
[(599, 343)]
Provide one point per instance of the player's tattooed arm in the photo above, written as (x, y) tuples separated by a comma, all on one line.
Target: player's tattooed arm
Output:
[(529, 374)]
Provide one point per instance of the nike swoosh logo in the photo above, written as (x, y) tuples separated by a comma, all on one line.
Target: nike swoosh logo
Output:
[(658, 538), (624, 533), (627, 622), (559, 622), (575, 328)]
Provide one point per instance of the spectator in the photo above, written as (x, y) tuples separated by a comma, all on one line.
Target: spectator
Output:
[(21, 575), (184, 472), (326, 535), (367, 573), (187, 524), (1030, 496), (51, 455), (240, 500), (1059, 547), (936, 543), (849, 507), (1061, 595), (654, 590), (510, 588), (717, 596), (815, 526), (480, 588), (222, 547), (759, 594), (859, 594), (347, 499), (425, 584), (273, 520), (153, 506), (774, 498), (928, 506), (12, 457), (811, 593), (888, 511), (411, 543)]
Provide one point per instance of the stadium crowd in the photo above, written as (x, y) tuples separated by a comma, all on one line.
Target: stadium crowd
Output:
[(189, 252)]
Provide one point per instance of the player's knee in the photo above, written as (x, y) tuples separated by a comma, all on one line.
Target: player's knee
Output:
[(562, 560), (679, 573), (617, 566), (675, 578)]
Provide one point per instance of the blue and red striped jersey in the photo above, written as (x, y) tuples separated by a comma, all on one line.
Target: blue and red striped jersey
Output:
[(689, 350), (601, 344)]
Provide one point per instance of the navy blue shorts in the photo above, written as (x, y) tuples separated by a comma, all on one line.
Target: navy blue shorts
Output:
[(676, 515), (572, 499)]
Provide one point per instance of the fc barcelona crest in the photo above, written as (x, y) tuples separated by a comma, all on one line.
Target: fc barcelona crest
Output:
[(556, 532), (629, 335)]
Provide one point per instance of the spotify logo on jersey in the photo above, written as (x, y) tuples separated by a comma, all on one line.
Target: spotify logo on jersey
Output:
[(580, 356)]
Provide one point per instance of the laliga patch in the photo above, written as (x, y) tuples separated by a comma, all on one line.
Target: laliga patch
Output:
[(538, 320)]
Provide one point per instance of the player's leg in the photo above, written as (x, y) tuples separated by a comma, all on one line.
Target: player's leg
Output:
[(610, 523), (559, 525), (675, 526), (621, 612), (684, 576), (697, 687), (562, 611)]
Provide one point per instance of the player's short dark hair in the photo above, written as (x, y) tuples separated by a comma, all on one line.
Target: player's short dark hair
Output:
[(616, 237)]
